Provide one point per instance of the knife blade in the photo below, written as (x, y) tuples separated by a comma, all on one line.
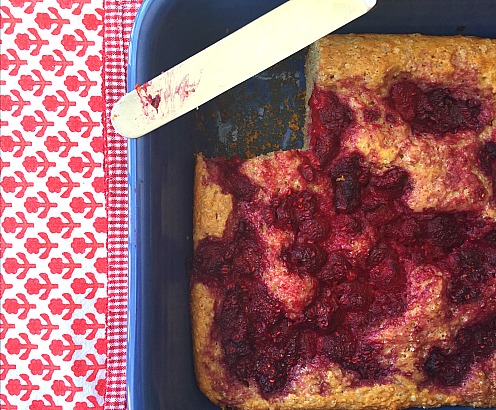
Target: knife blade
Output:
[(241, 55)]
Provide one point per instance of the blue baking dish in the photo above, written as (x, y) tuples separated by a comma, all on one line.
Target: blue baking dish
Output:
[(159, 359)]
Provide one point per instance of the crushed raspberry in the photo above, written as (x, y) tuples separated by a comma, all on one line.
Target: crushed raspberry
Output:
[(445, 230), (472, 344), (487, 159), (434, 110), (290, 210), (330, 119), (348, 176), (371, 115), (307, 171), (391, 185), (338, 269), (471, 267), (236, 183), (309, 257), (313, 230)]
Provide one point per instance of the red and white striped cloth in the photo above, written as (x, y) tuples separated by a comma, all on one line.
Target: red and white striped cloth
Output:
[(63, 204)]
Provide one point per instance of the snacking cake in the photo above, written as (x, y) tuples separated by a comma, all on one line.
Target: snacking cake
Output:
[(360, 271)]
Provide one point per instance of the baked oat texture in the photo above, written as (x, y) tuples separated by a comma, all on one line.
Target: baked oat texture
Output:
[(359, 69)]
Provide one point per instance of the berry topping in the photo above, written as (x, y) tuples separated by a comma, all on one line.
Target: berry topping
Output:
[(391, 185), (211, 258), (347, 178), (446, 369), (445, 230), (309, 257), (434, 110), (346, 229), (472, 344), (307, 171), (330, 120), (237, 184), (323, 314), (371, 114), (290, 210), (337, 270), (314, 230), (487, 158), (471, 269)]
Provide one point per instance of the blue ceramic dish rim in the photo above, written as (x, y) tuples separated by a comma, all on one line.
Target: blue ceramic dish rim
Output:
[(133, 185), (133, 252)]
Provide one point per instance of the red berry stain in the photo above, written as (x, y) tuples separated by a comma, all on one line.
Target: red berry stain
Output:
[(330, 118), (434, 110), (147, 98), (487, 159), (230, 177), (472, 344), (153, 101), (357, 293)]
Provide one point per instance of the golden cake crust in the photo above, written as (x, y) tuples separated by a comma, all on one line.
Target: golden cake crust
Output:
[(366, 60), (370, 62), (371, 57), (211, 206), (212, 379)]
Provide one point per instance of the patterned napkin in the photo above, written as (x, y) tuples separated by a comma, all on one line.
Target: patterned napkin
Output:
[(63, 204)]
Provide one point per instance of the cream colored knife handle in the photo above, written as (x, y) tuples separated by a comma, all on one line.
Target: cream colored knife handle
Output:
[(232, 60)]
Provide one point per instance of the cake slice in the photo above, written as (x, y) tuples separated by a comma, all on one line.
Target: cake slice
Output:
[(359, 272)]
